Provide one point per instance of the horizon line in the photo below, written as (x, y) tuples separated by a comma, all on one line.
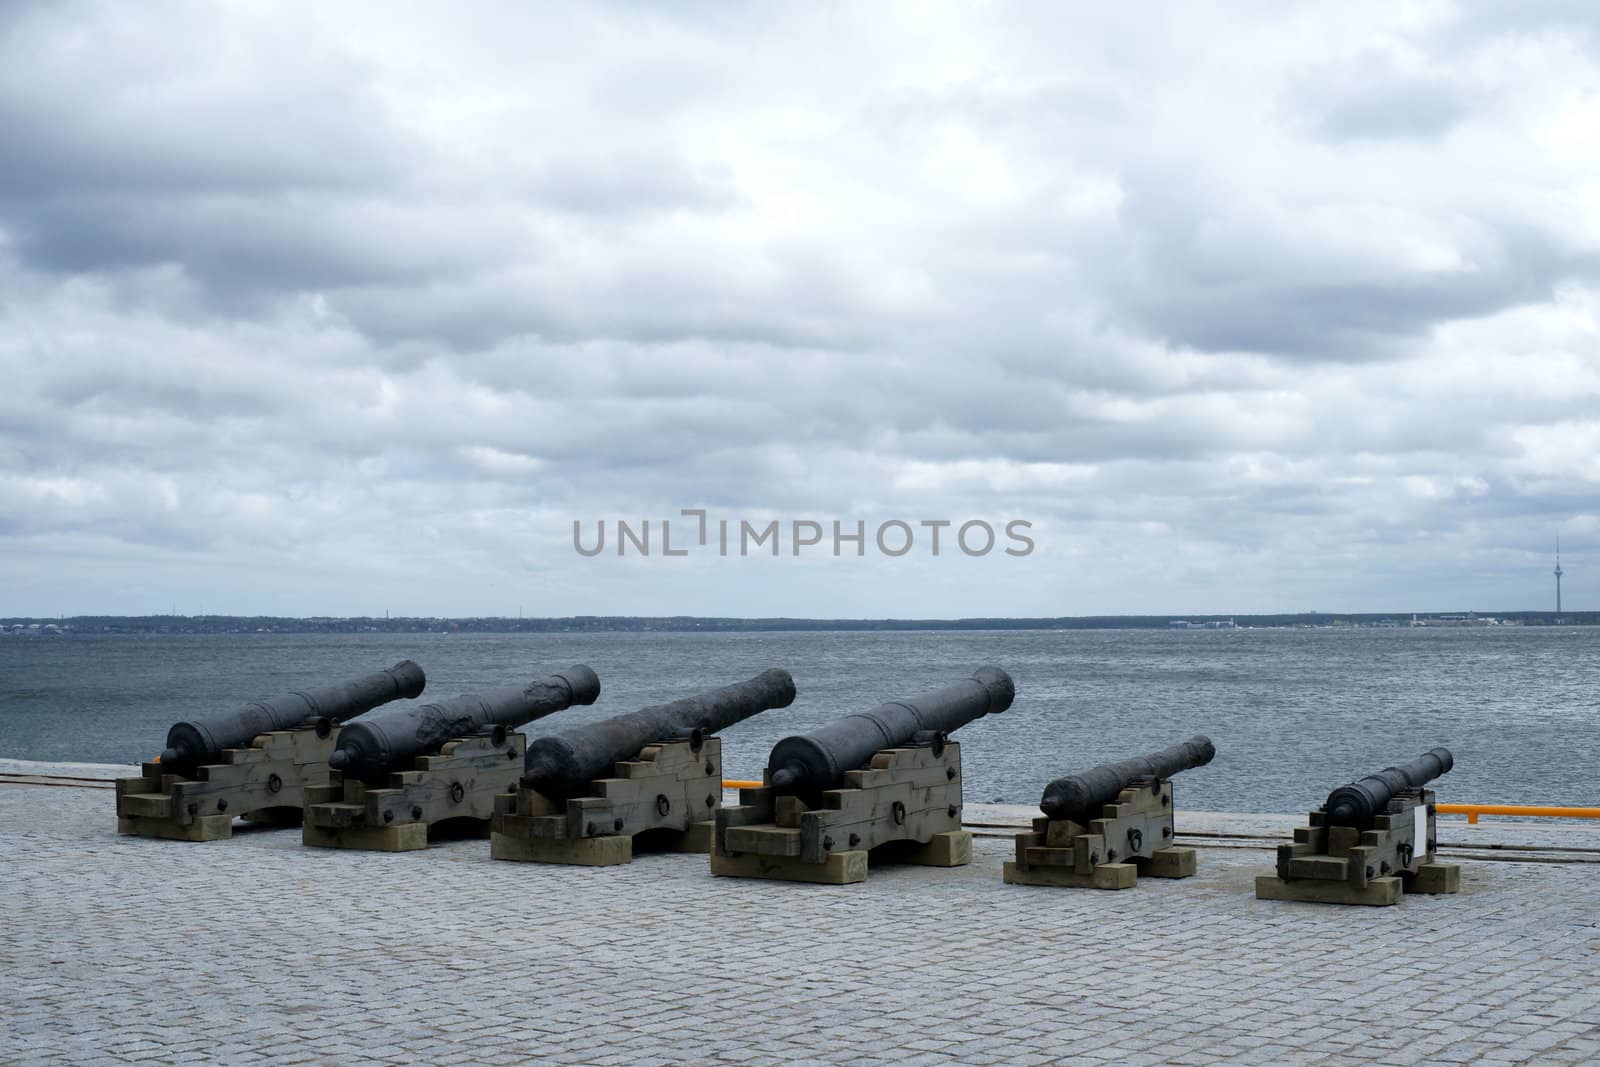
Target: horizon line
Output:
[(1179, 615)]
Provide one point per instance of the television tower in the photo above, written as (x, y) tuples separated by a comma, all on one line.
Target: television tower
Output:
[(1558, 576)]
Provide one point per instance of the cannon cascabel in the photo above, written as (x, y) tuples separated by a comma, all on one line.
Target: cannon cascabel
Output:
[(810, 763), (202, 740), (389, 739), (1360, 802), (1079, 797), (562, 766)]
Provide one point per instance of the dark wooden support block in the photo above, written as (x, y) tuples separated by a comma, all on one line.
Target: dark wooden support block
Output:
[(266, 781), (1377, 891), (1346, 865), (452, 792), (1435, 877), (665, 799), (905, 807), (1133, 836)]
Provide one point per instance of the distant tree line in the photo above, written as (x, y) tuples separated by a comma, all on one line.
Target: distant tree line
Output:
[(244, 624)]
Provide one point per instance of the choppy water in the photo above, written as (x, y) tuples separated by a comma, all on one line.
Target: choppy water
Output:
[(1292, 712)]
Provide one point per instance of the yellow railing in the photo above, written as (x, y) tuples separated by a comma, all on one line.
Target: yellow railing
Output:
[(1472, 811)]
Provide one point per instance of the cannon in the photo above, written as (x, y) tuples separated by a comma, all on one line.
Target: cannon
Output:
[(810, 763), (201, 741), (654, 776), (1372, 841), (404, 774), (1360, 802), (1080, 796), (382, 742), (259, 762), (885, 783), (563, 765), (1106, 826)]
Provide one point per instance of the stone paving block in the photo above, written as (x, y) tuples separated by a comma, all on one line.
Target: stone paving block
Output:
[(286, 960)]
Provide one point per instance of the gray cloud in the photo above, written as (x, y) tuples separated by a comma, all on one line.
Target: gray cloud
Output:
[(299, 305), (1373, 98)]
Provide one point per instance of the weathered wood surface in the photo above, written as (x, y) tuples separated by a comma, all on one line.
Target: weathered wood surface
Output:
[(268, 779), (1435, 877), (905, 807), (664, 798), (404, 837), (1133, 836), (1378, 892), (1345, 865), (840, 868), (461, 782)]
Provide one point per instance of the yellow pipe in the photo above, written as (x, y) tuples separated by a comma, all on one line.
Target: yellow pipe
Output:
[(1472, 811), (740, 783)]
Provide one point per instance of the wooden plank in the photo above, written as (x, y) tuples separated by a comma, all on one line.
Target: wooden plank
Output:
[(1089, 851), (918, 775), (1315, 838), (533, 802), (1037, 856), (1103, 876), (540, 826), (1026, 841), (1341, 839), (323, 794), (1361, 861), (138, 785), (609, 851), (1327, 868), (841, 868), (145, 805), (1172, 862), (202, 828), (762, 840), (404, 837), (787, 810), (1379, 892), (1435, 878)]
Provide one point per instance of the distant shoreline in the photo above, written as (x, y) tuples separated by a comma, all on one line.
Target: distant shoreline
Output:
[(238, 624)]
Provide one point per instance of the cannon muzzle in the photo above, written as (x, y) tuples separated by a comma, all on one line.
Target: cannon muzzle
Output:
[(198, 741), (810, 763), (1359, 803), (391, 738), (562, 766), (1079, 797)]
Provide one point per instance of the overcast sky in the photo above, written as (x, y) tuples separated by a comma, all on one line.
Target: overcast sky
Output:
[(353, 308)]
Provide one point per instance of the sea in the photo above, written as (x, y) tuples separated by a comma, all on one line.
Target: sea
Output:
[(1292, 713)]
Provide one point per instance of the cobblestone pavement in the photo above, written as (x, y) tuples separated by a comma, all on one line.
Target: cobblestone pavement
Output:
[(257, 950)]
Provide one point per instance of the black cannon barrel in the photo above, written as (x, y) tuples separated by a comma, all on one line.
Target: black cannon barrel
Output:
[(390, 738), (197, 741), (1080, 796), (562, 766), (1358, 803), (810, 763)]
